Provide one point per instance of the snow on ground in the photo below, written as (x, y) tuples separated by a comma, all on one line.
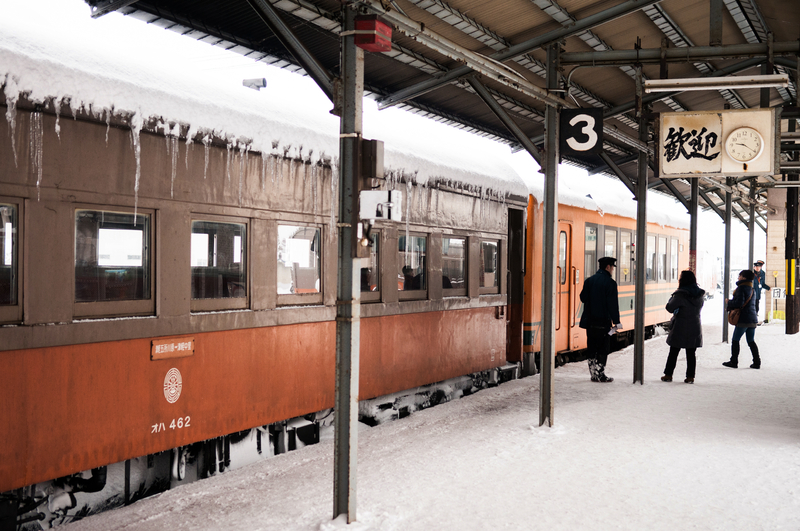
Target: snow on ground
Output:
[(723, 453)]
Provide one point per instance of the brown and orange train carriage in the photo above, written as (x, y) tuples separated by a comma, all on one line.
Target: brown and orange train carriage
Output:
[(163, 334)]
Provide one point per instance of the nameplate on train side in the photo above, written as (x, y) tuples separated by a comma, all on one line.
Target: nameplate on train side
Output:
[(174, 347)]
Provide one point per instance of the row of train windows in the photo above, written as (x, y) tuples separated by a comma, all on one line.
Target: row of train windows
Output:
[(113, 250), (661, 254)]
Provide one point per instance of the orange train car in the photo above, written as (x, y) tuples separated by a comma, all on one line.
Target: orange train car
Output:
[(584, 236)]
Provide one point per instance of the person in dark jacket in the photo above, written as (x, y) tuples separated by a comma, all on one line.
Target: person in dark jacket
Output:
[(744, 299), (600, 315), (759, 282), (686, 330)]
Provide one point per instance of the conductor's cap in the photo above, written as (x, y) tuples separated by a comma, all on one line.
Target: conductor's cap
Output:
[(759, 263), (607, 261)]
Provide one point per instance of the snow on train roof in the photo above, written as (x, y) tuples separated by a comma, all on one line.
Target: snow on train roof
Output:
[(606, 195), (61, 56)]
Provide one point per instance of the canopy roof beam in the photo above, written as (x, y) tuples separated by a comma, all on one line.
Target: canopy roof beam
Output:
[(528, 46), (679, 55), (302, 55)]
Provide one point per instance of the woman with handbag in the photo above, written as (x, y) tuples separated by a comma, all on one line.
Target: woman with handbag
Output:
[(686, 330), (742, 314)]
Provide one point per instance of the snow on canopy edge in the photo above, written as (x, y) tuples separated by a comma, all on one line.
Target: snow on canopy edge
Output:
[(45, 69)]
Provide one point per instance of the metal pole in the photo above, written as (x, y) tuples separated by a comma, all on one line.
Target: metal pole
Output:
[(751, 226), (694, 202), (348, 294), (791, 253), (549, 245), (726, 283), (641, 239)]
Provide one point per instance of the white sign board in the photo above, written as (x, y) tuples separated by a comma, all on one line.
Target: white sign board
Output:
[(778, 293), (717, 143), (381, 204)]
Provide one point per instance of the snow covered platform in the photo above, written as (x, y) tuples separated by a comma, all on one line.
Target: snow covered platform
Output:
[(723, 453)]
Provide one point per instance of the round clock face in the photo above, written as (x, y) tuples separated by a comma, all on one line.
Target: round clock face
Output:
[(744, 144)]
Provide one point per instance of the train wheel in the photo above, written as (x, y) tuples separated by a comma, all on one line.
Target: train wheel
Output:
[(179, 464)]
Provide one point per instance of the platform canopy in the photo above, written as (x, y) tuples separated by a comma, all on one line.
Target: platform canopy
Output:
[(444, 53)]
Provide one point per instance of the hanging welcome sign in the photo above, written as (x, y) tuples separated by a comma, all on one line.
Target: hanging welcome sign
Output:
[(718, 143)]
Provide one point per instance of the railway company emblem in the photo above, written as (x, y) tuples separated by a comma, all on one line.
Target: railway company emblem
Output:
[(172, 385)]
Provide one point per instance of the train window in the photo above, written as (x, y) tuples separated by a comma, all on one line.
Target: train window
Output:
[(454, 266), (662, 258), (490, 267), (112, 263), (625, 269), (371, 272), (673, 260), (9, 267), (412, 264), (562, 257), (219, 265), (650, 258), (610, 245), (9, 246), (590, 265), (299, 264)]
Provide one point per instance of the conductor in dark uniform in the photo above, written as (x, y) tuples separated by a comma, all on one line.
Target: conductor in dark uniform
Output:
[(600, 315)]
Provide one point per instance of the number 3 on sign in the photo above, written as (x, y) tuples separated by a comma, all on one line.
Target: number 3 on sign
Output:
[(587, 130)]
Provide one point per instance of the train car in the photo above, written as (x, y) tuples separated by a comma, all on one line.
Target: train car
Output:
[(590, 228), (168, 281), (168, 269)]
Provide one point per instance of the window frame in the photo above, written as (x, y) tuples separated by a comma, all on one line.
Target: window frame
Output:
[(616, 232), (457, 292), (631, 262), (417, 294), (300, 299), (130, 308), (587, 253), (12, 313), (491, 290), (662, 276), (231, 303), (654, 279), (674, 244), (375, 296)]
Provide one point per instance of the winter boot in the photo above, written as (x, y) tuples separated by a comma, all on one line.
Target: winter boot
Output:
[(593, 373), (601, 374), (756, 359), (734, 361)]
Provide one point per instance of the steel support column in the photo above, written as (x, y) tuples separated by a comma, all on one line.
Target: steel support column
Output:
[(348, 292), (694, 201), (549, 254), (791, 253), (726, 282), (751, 226), (641, 238)]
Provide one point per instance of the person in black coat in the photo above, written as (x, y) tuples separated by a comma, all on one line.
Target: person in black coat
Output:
[(744, 300), (686, 329), (600, 314)]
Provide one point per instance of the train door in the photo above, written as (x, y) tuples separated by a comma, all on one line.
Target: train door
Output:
[(564, 288), (516, 284)]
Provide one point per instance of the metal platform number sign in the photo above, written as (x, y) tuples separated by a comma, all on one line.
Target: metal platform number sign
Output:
[(721, 143), (581, 131)]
